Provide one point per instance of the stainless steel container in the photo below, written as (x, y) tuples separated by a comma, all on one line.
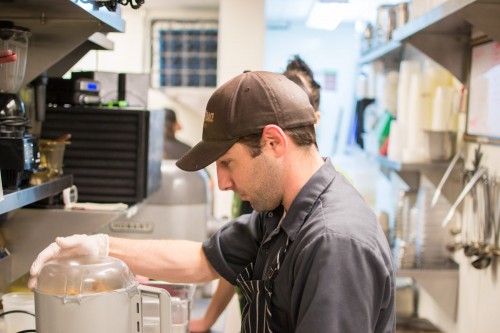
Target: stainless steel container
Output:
[(94, 294), (402, 14), (386, 22)]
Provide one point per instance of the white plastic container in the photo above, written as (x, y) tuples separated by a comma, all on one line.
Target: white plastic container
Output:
[(16, 322)]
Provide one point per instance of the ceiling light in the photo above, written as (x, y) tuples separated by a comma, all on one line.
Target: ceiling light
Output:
[(326, 15)]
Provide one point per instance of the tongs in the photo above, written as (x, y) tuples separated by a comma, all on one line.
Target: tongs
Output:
[(467, 188)]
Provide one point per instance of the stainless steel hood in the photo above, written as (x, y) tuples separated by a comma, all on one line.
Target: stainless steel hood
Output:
[(60, 28)]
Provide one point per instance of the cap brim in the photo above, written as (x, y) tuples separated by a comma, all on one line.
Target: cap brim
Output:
[(204, 154)]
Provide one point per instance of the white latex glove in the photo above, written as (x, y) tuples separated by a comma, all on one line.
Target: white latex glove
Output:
[(76, 245)]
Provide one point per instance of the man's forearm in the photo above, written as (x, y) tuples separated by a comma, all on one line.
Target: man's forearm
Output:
[(170, 260), (223, 295)]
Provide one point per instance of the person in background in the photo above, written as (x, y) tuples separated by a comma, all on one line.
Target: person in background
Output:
[(300, 73), (173, 149), (310, 258)]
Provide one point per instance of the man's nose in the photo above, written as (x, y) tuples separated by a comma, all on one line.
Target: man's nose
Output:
[(224, 180)]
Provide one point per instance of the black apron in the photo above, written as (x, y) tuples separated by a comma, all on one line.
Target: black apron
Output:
[(256, 313)]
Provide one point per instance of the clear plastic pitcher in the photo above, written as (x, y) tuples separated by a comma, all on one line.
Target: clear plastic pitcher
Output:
[(182, 296), (13, 55)]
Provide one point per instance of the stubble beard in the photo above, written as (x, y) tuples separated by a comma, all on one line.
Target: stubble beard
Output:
[(267, 179)]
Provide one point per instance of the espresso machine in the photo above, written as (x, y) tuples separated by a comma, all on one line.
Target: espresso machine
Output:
[(19, 155)]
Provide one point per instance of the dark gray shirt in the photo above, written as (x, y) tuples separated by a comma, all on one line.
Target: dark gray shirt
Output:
[(337, 275)]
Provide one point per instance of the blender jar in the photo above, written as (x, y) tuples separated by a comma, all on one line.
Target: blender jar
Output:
[(93, 294), (73, 278), (13, 55)]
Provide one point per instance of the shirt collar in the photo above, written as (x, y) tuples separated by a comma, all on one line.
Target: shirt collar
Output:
[(305, 200)]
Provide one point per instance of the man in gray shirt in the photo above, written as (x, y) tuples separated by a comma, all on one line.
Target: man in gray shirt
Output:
[(310, 258)]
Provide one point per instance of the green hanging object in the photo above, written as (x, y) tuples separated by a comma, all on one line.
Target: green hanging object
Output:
[(383, 127)]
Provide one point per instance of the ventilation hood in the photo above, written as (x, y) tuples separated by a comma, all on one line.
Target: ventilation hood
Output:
[(63, 31)]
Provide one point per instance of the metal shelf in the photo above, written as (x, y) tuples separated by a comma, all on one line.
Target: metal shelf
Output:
[(443, 33), (390, 53), (58, 27), (98, 41), (411, 174), (400, 166), (441, 283), (25, 196)]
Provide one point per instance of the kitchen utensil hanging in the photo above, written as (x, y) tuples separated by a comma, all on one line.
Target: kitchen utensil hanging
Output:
[(469, 183), (458, 156), (483, 244), (467, 188)]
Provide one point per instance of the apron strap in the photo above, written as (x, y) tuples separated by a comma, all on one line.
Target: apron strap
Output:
[(256, 313)]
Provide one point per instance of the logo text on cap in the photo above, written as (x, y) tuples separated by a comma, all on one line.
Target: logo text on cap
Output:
[(209, 117)]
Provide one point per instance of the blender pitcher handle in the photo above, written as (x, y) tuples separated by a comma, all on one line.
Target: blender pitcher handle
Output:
[(165, 305)]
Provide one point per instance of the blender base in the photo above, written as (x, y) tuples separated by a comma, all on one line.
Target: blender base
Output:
[(20, 156)]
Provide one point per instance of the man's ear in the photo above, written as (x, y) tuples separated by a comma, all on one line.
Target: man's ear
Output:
[(318, 117), (274, 138)]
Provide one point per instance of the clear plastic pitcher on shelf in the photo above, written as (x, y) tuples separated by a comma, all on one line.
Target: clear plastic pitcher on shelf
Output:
[(13, 55)]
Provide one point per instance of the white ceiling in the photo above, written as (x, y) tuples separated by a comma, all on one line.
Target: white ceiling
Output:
[(278, 10), (181, 3)]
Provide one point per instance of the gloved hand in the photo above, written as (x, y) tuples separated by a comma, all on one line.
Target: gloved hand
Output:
[(76, 245)]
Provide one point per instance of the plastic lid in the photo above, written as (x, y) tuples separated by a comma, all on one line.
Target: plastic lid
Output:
[(84, 275)]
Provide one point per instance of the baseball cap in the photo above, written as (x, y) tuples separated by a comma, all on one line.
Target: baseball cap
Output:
[(243, 106)]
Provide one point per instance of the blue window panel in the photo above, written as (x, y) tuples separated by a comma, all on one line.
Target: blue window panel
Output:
[(194, 46), (210, 80), (194, 63), (186, 55), (194, 80), (210, 63)]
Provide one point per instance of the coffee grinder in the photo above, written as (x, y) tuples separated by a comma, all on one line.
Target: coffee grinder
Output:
[(19, 154)]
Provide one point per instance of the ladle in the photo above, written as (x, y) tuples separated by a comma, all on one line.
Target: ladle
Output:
[(485, 252), (495, 196), (453, 247), (476, 248), (467, 217), (483, 261), (467, 188)]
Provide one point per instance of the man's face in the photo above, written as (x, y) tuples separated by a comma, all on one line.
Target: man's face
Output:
[(258, 180)]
